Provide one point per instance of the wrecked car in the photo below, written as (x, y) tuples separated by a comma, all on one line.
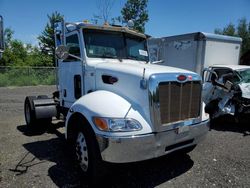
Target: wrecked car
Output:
[(227, 90)]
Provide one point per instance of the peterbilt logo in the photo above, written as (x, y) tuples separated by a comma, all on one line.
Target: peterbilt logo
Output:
[(183, 78)]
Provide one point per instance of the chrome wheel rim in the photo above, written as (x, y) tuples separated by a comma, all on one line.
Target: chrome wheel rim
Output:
[(82, 151), (27, 113)]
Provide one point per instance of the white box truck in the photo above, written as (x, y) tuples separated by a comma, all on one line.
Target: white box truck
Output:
[(226, 89), (195, 51)]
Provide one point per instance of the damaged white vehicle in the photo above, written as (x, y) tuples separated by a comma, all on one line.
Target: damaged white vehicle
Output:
[(227, 90)]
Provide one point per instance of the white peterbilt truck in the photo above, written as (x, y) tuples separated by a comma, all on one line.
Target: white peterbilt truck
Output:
[(119, 107)]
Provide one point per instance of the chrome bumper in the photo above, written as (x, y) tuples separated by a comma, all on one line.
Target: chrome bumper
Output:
[(148, 146)]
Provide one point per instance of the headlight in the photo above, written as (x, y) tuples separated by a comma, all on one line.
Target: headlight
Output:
[(116, 124)]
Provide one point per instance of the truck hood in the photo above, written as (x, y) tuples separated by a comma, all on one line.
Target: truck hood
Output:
[(131, 67), (129, 75), (245, 89)]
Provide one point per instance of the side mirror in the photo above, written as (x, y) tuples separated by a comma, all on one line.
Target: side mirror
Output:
[(1, 36), (62, 53)]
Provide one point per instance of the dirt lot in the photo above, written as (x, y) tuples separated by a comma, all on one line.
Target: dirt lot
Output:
[(41, 159)]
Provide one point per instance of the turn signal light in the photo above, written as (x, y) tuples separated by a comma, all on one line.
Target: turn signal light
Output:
[(101, 123)]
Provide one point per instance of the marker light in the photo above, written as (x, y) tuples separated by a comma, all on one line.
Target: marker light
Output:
[(86, 21), (190, 77)]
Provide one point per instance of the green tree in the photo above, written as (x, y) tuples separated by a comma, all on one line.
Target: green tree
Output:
[(14, 54), (228, 30), (135, 10), (19, 54), (14, 50), (244, 33), (242, 30), (46, 39), (36, 58)]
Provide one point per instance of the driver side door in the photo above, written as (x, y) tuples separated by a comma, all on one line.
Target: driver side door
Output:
[(71, 72)]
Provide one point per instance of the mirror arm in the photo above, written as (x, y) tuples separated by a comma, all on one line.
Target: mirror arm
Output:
[(76, 57)]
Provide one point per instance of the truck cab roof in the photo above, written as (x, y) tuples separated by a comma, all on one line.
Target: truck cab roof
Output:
[(81, 25)]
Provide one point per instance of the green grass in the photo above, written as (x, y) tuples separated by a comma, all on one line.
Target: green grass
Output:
[(27, 77)]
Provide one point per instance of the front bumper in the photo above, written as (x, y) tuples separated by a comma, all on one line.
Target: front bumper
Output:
[(148, 146)]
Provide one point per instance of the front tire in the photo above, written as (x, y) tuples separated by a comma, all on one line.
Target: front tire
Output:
[(82, 152), (87, 153)]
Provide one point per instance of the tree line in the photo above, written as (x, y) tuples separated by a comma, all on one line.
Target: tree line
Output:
[(242, 29), (19, 54)]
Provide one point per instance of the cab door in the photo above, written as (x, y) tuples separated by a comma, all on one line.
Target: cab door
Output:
[(207, 88), (71, 72)]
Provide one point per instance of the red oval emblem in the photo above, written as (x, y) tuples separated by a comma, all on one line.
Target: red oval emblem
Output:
[(181, 78)]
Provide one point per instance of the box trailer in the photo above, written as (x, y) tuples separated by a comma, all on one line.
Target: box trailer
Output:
[(195, 51)]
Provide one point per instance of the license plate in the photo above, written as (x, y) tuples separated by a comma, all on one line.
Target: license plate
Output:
[(183, 129)]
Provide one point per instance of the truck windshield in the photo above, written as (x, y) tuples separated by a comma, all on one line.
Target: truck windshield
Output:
[(116, 45), (244, 75)]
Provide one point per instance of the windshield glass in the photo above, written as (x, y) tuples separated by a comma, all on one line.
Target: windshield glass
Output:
[(244, 75), (118, 45)]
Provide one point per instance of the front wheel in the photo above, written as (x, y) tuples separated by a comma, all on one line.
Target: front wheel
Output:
[(88, 155), (82, 152)]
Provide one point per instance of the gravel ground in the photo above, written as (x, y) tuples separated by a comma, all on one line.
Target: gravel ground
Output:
[(41, 159)]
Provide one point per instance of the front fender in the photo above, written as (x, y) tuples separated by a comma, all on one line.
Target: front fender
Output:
[(107, 104)]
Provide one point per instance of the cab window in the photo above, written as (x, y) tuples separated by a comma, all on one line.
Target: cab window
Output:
[(72, 42)]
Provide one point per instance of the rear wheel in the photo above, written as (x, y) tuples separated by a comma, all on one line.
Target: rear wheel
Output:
[(29, 111)]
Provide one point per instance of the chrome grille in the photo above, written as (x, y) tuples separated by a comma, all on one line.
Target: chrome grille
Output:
[(179, 101)]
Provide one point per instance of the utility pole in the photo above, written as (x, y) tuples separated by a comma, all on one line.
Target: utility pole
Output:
[(1, 37)]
